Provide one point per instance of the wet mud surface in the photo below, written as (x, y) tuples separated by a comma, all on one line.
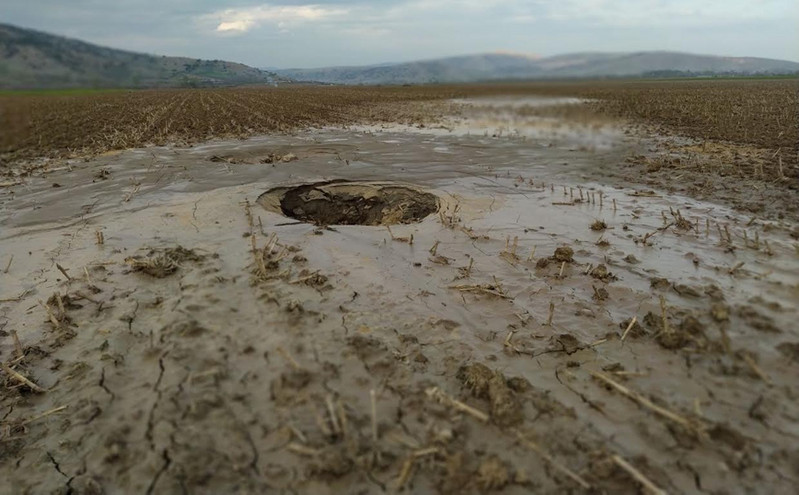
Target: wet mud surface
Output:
[(553, 327), (351, 203)]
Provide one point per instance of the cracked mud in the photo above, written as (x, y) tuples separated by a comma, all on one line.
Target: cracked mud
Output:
[(535, 321)]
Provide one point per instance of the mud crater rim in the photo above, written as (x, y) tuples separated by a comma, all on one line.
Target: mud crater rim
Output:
[(345, 202)]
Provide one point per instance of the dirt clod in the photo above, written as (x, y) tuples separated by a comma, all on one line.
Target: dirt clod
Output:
[(636, 331), (600, 294), (492, 474), (506, 410), (672, 340), (720, 312), (563, 253), (659, 283), (687, 290), (160, 263), (631, 259), (790, 350), (601, 272)]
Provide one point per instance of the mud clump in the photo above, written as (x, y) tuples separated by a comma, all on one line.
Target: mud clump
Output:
[(329, 465), (155, 266), (477, 377), (686, 290), (314, 279), (565, 343), (352, 203), (689, 330), (714, 292), (160, 263), (659, 283), (600, 294), (492, 474), (790, 350), (286, 388), (506, 410), (602, 273), (636, 330), (275, 158), (563, 253), (720, 312)]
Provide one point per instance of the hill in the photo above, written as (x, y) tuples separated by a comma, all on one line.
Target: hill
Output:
[(34, 60), (578, 65)]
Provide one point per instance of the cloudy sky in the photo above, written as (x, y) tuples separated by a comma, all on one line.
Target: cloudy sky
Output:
[(290, 33)]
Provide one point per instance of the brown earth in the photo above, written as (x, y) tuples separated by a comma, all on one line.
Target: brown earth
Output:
[(553, 328), (351, 203)]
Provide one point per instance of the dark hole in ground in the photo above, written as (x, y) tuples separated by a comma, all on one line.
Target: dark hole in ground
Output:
[(357, 203)]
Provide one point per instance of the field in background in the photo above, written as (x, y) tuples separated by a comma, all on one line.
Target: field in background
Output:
[(758, 113)]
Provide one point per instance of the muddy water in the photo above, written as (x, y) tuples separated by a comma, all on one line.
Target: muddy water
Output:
[(225, 377)]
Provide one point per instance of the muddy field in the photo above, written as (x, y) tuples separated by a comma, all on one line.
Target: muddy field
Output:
[(759, 113), (512, 298)]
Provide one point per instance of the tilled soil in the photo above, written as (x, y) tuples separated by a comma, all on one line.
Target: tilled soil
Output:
[(549, 329)]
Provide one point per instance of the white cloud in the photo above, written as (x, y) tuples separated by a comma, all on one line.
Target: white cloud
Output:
[(611, 13), (244, 19), (240, 25), (334, 32), (685, 13), (372, 18)]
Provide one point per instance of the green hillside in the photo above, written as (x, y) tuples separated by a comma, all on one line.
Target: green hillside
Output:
[(35, 60)]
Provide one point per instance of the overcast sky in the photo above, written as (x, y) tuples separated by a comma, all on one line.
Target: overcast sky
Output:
[(289, 33)]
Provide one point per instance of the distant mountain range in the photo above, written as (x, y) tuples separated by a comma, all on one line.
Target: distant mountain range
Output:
[(35, 60), (488, 67)]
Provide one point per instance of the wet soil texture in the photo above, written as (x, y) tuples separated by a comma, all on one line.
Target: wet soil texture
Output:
[(534, 320), (353, 203)]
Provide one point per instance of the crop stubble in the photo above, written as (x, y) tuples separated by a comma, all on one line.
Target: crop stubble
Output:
[(759, 113)]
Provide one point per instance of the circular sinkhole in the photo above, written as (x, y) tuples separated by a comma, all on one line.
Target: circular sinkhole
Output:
[(351, 203)]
